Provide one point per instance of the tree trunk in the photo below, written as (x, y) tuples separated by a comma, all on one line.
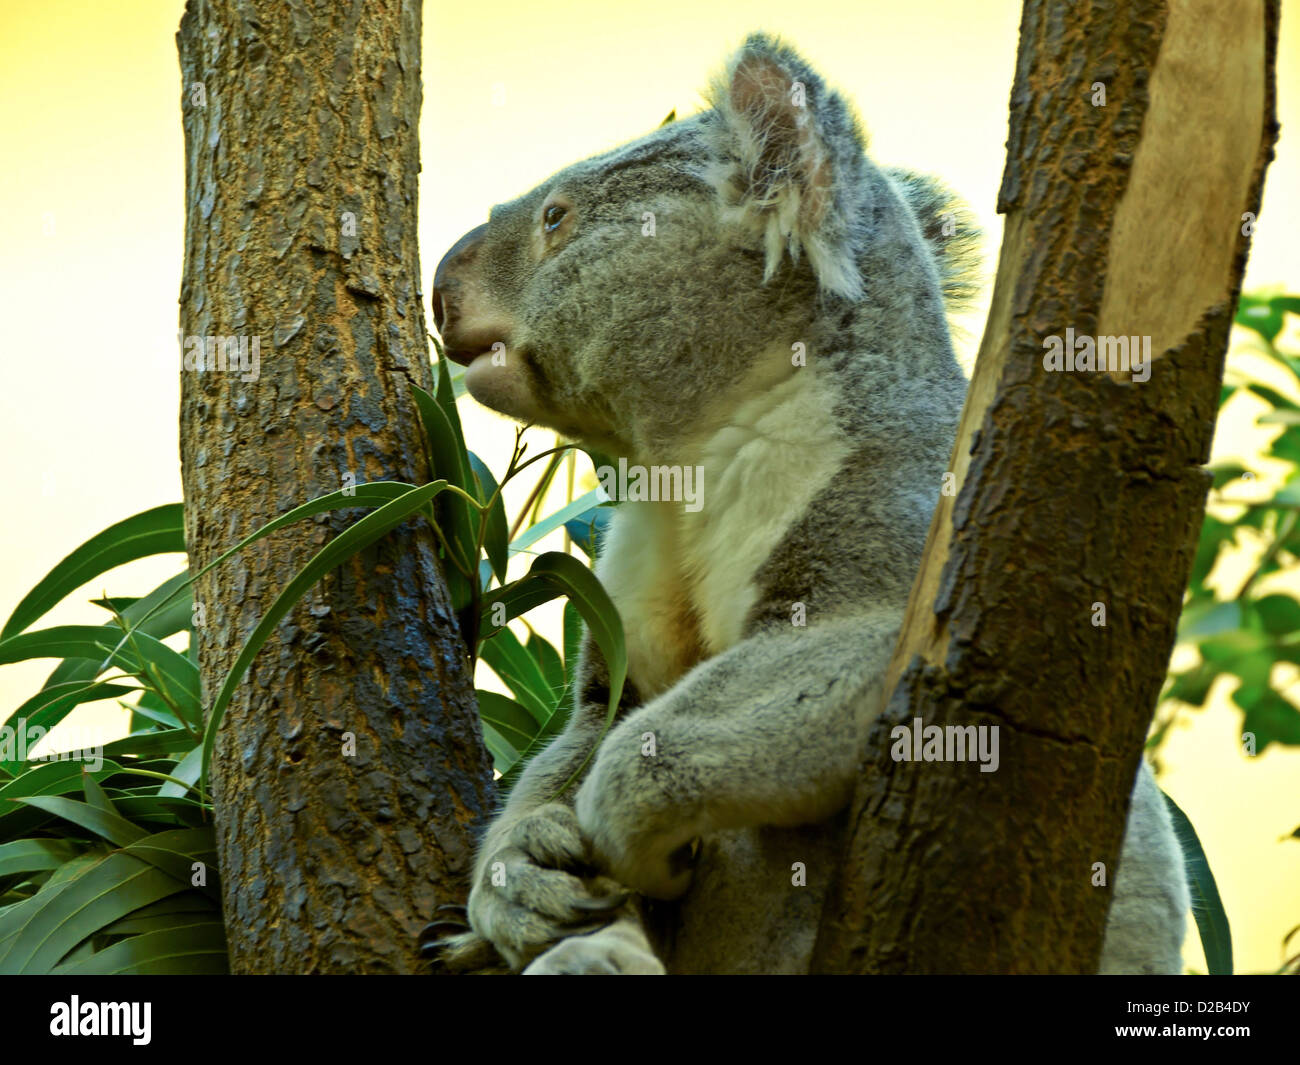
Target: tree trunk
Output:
[(302, 160), (1080, 493)]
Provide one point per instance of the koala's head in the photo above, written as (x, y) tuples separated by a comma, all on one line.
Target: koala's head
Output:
[(626, 297)]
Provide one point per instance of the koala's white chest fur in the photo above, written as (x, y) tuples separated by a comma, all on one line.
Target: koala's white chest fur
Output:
[(683, 581)]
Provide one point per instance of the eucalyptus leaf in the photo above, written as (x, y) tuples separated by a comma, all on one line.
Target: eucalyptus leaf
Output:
[(152, 532), (1207, 907)]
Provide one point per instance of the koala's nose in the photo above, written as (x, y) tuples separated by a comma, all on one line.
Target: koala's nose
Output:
[(458, 256)]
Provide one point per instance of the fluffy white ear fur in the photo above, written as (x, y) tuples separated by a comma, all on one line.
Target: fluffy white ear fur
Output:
[(788, 162)]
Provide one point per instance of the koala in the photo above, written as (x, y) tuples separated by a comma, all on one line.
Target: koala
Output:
[(743, 294)]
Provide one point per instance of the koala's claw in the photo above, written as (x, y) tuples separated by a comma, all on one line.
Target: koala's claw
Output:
[(462, 952), (436, 933), (457, 917), (603, 904)]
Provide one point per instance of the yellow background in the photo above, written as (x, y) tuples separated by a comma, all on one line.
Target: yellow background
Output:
[(91, 189)]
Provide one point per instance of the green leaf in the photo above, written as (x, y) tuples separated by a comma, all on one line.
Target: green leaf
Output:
[(456, 375), (1253, 669), (504, 755), (1193, 686), (111, 826), (1207, 907), (18, 821), (188, 770), (1226, 473), (1286, 496), (1287, 447), (1279, 614), (518, 597), (153, 532), (52, 703), (82, 691), (35, 855), (549, 472), (572, 652), (1228, 646), (164, 611), (572, 579), (151, 744), (592, 602), (496, 536), (446, 395), (548, 659), (77, 908), (48, 778), (588, 530), (355, 538), (135, 653), (579, 508), (14, 917), (572, 641), (374, 494), (1279, 417), (512, 721), (95, 795), (175, 851), (151, 708), (184, 949), (164, 810), (451, 375), (165, 913), (1259, 315), (446, 445), (456, 518), (1274, 397), (1200, 620), (1270, 717), (116, 604), (1214, 534), (511, 662)]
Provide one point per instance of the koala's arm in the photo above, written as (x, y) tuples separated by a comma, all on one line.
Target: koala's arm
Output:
[(768, 733), (535, 880)]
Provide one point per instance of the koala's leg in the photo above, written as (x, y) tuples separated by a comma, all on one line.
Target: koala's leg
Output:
[(1144, 932), (769, 732), (535, 877)]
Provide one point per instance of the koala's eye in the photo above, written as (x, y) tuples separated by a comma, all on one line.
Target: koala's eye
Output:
[(552, 217)]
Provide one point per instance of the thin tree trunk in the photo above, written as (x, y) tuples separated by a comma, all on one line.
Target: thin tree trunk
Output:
[(1080, 492), (302, 160)]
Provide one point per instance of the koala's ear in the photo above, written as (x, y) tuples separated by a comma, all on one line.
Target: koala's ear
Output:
[(789, 161)]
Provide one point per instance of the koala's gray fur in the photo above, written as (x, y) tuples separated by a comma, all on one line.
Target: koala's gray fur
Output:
[(774, 236)]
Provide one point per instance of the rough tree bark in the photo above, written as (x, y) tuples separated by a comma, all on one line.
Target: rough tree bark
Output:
[(302, 159), (1076, 489)]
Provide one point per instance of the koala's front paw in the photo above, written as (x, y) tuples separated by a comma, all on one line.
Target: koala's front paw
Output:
[(539, 885), (641, 838), (619, 949)]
